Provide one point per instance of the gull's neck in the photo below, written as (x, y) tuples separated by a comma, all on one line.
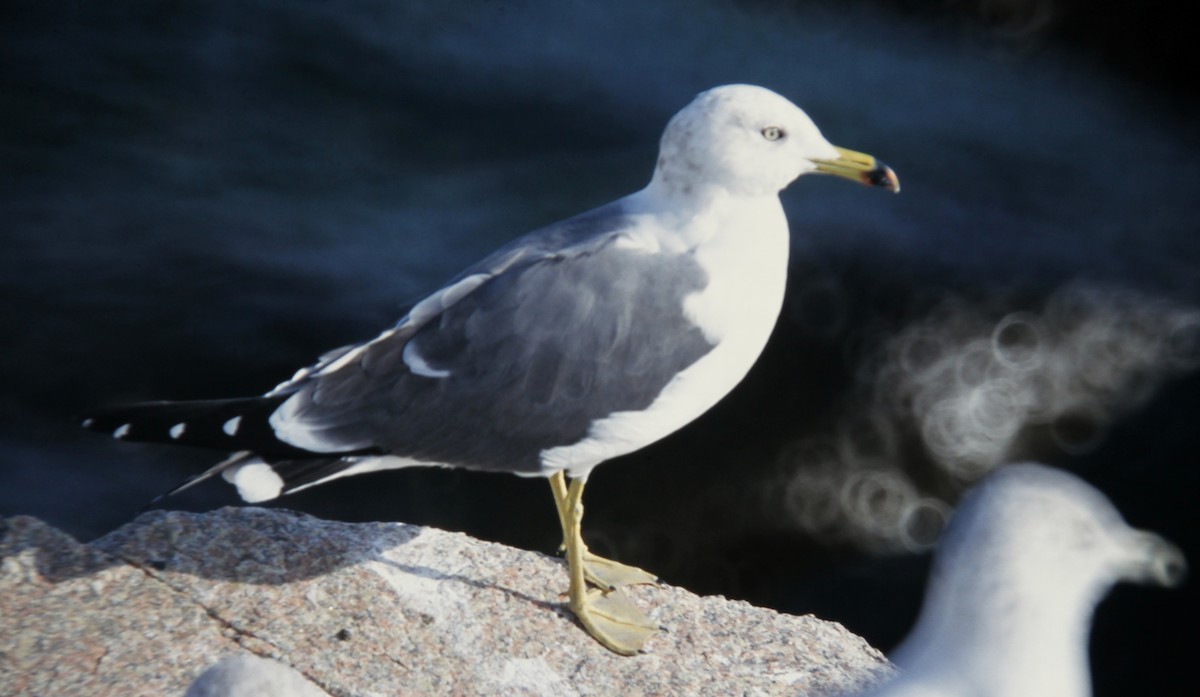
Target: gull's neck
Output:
[(1019, 636), (665, 198), (669, 185)]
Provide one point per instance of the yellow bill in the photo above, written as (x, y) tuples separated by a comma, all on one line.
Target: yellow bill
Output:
[(860, 167)]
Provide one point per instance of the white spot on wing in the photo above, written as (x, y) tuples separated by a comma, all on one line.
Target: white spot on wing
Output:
[(417, 363), (421, 313), (177, 430), (230, 427), (255, 481), (122, 431), (299, 435), (87, 423)]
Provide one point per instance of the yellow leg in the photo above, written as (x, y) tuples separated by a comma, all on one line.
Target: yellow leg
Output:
[(606, 615), (598, 571), (558, 487)]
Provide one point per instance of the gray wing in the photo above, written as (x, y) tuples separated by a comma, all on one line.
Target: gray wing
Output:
[(520, 353)]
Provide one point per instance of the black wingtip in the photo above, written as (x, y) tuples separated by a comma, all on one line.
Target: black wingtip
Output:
[(241, 423)]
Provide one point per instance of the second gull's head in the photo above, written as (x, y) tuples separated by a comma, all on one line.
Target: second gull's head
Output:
[(1025, 559)]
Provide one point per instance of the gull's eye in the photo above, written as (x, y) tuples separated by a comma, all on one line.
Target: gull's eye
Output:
[(773, 133)]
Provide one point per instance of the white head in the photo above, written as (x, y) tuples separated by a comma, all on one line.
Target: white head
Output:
[(1042, 530), (1027, 555), (750, 141)]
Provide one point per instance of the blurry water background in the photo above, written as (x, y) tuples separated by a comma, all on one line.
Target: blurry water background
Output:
[(199, 197)]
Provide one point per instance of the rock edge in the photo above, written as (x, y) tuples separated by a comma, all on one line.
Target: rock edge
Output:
[(368, 609)]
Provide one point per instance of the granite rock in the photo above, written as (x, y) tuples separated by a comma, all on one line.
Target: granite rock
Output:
[(369, 609)]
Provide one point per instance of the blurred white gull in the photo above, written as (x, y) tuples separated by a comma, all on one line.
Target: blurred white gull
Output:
[(1025, 559), (247, 675)]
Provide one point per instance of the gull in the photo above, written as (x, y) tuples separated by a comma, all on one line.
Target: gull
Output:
[(577, 343), (1026, 557), (247, 675)]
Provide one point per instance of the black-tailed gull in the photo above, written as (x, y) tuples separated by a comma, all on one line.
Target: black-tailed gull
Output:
[(1026, 556), (579, 342)]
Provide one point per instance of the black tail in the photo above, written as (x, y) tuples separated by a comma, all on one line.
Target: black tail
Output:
[(223, 424)]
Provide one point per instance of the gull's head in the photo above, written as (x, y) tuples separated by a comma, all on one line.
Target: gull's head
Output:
[(1046, 533), (750, 141), (1027, 555)]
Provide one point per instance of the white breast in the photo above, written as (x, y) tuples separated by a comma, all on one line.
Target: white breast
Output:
[(742, 244)]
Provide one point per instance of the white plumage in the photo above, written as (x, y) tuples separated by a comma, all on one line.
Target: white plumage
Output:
[(1008, 610)]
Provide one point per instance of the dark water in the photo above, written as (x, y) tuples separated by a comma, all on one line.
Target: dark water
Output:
[(200, 197)]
